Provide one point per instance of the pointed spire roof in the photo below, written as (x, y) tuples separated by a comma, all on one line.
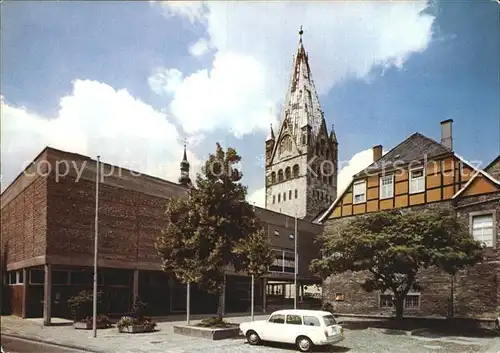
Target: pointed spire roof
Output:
[(270, 136), (333, 136), (301, 105), (184, 178)]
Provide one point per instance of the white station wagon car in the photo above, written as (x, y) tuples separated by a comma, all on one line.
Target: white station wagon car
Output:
[(305, 328)]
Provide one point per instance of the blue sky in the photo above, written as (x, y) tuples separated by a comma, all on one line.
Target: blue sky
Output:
[(126, 80)]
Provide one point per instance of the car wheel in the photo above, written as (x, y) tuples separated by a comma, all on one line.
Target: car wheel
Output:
[(304, 344), (253, 338)]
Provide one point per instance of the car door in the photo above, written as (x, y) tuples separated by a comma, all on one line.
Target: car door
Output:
[(275, 326), (312, 328), (293, 328)]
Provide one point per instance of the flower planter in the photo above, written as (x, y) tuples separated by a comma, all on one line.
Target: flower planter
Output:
[(89, 325), (136, 329)]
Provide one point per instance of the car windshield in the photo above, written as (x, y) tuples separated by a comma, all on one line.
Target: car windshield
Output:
[(329, 320)]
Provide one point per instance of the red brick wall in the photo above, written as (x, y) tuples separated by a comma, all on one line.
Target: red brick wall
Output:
[(24, 222)]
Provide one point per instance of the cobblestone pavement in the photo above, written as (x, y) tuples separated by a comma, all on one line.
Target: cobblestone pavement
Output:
[(370, 340)]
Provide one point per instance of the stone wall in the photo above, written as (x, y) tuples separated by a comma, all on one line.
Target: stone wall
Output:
[(476, 291), (494, 169)]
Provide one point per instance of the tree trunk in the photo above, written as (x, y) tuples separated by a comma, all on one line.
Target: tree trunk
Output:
[(399, 305), (220, 306)]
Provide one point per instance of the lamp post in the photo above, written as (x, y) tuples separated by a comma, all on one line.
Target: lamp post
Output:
[(296, 264), (96, 242)]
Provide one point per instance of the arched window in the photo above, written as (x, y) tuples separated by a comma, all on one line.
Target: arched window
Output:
[(280, 175), (273, 177), (317, 148), (296, 171), (286, 144), (284, 196), (279, 198), (296, 193), (288, 173)]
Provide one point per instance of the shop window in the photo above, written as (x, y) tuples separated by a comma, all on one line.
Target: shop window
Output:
[(37, 276), (60, 277)]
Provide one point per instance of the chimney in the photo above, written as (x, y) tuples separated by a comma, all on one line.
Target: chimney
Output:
[(446, 133), (377, 152)]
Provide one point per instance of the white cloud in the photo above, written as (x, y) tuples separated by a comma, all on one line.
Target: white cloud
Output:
[(258, 197), (256, 40), (95, 119), (207, 100), (199, 48), (347, 169)]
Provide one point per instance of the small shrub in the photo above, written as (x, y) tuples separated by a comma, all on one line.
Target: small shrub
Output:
[(81, 305), (214, 322), (327, 306)]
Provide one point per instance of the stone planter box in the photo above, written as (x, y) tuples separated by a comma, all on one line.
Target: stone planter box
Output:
[(135, 329), (88, 325), (211, 333)]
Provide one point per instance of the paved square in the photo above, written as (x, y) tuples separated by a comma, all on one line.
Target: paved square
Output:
[(368, 340)]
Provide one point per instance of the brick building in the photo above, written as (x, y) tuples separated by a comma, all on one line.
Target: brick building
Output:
[(48, 243), (421, 173)]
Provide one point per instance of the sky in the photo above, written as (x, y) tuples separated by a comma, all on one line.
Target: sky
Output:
[(129, 81)]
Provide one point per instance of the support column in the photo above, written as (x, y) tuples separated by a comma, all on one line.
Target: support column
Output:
[(264, 295), (297, 293), (47, 295), (25, 293), (135, 286)]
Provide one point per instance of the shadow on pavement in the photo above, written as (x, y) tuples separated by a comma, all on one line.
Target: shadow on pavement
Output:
[(293, 348), (425, 327)]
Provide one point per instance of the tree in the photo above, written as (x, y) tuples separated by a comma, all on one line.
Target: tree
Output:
[(214, 229), (392, 247)]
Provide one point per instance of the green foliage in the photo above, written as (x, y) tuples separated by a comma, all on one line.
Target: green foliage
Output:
[(214, 322), (214, 228), (81, 305), (393, 246)]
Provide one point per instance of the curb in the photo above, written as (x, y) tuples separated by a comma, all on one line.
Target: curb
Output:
[(26, 338), (493, 347)]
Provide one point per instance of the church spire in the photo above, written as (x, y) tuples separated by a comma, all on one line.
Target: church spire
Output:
[(184, 179)]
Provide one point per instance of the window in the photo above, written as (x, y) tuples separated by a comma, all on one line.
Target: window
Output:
[(482, 229), (12, 277), (330, 180), (284, 262), (289, 194), (311, 321), (386, 301), (288, 173), (296, 171), (81, 277), (273, 177), (276, 233), (60, 277), (386, 186), (417, 181), (277, 319), (37, 276), (304, 139), (329, 320), (412, 301), (339, 297), (293, 320), (296, 193), (20, 277), (280, 175), (279, 197), (284, 196), (359, 192), (274, 198)]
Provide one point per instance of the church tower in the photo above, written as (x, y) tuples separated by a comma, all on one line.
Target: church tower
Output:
[(184, 178), (302, 158)]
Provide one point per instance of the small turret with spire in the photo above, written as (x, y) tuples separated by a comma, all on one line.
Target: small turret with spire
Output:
[(184, 179), (270, 141)]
